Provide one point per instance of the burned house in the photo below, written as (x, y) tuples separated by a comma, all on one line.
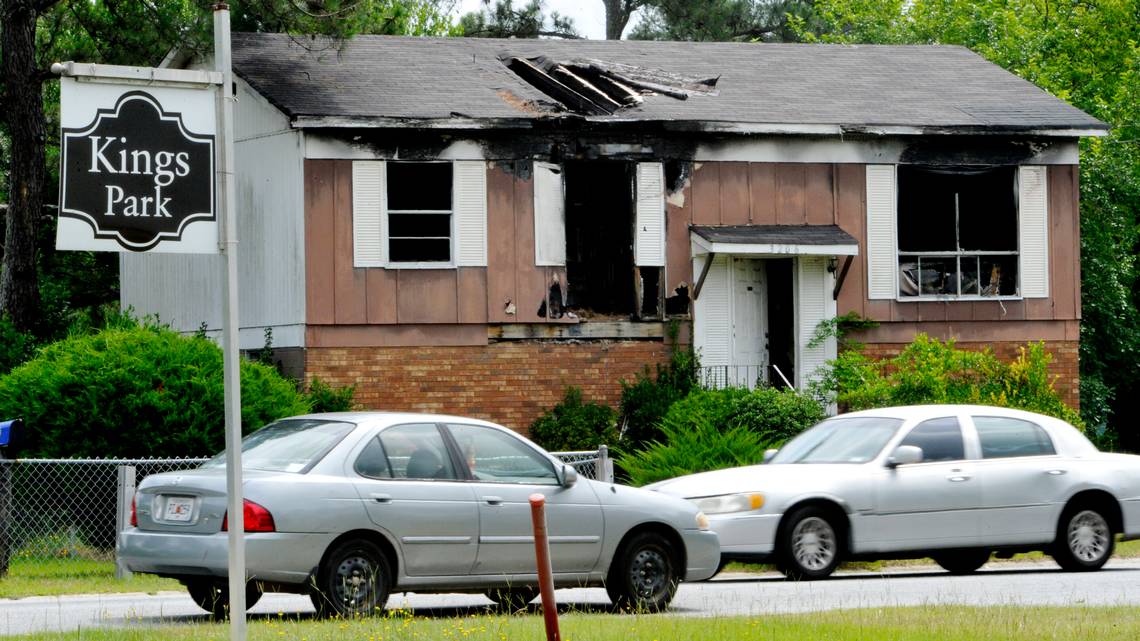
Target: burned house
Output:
[(470, 225)]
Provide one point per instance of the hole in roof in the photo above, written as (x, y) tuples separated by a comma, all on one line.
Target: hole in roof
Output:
[(599, 88)]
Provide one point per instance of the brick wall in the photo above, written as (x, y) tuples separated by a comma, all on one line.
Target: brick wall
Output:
[(511, 383), (1064, 365)]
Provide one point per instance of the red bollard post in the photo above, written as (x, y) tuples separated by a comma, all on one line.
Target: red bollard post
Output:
[(542, 557)]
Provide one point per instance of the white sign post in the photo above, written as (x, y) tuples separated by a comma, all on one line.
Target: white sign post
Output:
[(147, 166)]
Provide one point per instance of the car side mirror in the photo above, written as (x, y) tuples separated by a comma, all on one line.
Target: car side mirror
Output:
[(768, 454), (904, 455), (569, 476)]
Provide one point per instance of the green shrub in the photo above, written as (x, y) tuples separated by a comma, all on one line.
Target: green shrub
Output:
[(136, 392), (15, 347), (573, 425), (646, 400), (324, 398), (930, 371), (714, 429)]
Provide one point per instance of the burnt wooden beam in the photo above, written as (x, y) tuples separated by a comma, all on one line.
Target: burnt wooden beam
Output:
[(552, 87), (704, 273), (842, 277)]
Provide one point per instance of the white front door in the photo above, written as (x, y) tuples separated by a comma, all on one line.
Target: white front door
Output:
[(749, 322)]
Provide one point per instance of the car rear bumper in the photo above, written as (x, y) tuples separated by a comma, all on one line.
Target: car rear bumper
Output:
[(276, 557), (702, 551)]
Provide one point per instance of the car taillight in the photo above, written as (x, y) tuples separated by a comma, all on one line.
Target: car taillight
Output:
[(134, 515), (257, 518)]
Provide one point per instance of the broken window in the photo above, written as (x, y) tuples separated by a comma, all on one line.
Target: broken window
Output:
[(599, 239), (957, 231), (419, 212)]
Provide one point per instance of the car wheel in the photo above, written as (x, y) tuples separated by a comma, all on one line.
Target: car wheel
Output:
[(809, 545), (1084, 540), (512, 599), (353, 581), (644, 574), (213, 597), (962, 561)]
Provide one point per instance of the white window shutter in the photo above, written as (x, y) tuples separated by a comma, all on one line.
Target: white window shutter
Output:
[(649, 236), (882, 258), (368, 199), (712, 329), (549, 215), (470, 211), (1033, 222), (813, 305)]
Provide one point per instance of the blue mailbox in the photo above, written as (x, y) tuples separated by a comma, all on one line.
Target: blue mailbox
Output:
[(10, 431)]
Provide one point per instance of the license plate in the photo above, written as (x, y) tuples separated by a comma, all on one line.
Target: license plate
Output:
[(178, 508)]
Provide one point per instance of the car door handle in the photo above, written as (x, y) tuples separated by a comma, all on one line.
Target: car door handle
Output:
[(958, 478), (1056, 472), (381, 498), (493, 500)]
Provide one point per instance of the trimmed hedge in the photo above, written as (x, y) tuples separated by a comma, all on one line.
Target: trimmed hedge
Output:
[(142, 391), (714, 429)]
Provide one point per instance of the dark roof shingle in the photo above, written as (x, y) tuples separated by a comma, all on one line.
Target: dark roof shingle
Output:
[(783, 85)]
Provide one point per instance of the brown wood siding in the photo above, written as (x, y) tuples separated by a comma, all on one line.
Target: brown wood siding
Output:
[(320, 204), (500, 244), (734, 196), (706, 193), (350, 284), (850, 207), (819, 195), (532, 279), (790, 196), (762, 184), (678, 259), (472, 294), (427, 296)]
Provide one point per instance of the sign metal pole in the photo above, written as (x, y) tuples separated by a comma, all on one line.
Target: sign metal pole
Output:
[(235, 509)]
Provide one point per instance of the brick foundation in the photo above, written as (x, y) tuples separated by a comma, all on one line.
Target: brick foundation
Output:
[(511, 383), (1064, 365)]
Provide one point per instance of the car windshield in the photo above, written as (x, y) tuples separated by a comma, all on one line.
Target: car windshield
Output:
[(292, 445), (840, 440)]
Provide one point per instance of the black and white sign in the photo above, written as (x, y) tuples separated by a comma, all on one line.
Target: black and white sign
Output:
[(137, 168)]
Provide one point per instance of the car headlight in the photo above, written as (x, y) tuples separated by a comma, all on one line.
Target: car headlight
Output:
[(702, 521), (726, 503)]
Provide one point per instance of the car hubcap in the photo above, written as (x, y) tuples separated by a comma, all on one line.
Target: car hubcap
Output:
[(354, 581), (1088, 536), (648, 573), (813, 543)]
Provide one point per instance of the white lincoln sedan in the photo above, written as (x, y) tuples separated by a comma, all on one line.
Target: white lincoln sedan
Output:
[(953, 482)]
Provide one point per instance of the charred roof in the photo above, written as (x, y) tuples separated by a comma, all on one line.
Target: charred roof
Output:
[(391, 81)]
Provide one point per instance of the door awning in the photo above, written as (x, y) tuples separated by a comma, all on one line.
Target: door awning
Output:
[(773, 240)]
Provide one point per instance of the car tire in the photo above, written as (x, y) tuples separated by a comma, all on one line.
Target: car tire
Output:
[(1085, 539), (809, 546), (962, 561), (512, 599), (644, 574), (353, 581), (213, 597)]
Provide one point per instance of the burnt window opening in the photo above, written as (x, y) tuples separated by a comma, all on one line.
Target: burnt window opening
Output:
[(957, 231), (649, 288), (419, 212), (599, 239)]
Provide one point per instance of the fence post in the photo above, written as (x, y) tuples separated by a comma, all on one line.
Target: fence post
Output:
[(5, 514), (605, 465), (125, 496)]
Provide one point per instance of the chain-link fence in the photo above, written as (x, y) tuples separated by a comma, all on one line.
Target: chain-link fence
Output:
[(66, 508)]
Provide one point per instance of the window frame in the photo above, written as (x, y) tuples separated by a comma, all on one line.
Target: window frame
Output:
[(386, 226), (957, 254)]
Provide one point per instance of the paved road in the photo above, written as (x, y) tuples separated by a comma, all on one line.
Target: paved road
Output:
[(728, 594)]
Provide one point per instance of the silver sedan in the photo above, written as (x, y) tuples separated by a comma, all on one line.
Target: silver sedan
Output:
[(953, 482), (348, 507)]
